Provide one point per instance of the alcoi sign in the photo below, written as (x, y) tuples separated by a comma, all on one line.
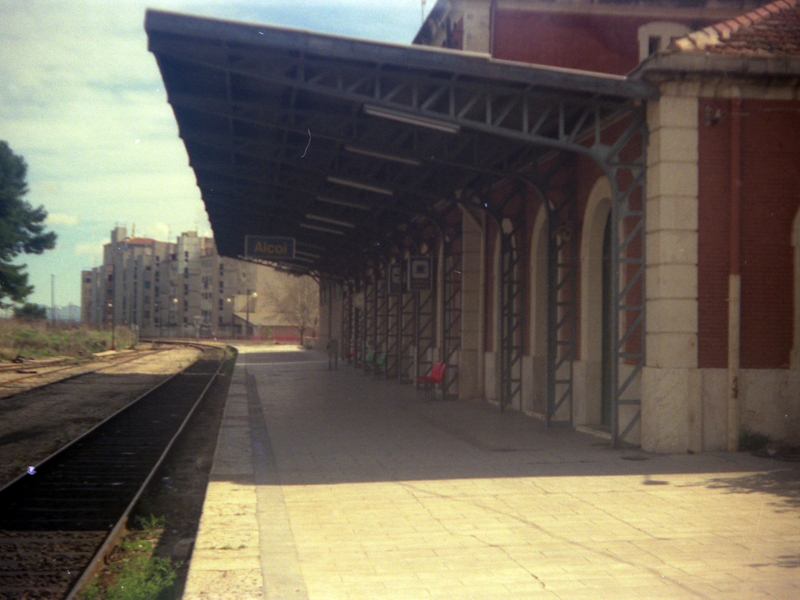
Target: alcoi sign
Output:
[(268, 247)]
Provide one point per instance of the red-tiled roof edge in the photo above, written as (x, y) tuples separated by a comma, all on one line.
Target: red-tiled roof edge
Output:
[(718, 33)]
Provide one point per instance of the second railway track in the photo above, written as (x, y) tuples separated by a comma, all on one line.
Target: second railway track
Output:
[(54, 521), (18, 377)]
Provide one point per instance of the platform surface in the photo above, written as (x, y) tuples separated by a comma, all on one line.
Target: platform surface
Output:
[(337, 485)]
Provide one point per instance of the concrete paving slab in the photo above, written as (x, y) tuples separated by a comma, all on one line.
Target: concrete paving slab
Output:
[(338, 485)]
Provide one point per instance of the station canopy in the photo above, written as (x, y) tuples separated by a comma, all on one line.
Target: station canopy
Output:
[(349, 146)]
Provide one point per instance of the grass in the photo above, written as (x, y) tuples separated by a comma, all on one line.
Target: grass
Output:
[(39, 340), (137, 574), (230, 360), (151, 523), (141, 578)]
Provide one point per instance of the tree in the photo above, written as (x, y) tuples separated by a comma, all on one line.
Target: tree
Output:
[(299, 305), (21, 227), (30, 312)]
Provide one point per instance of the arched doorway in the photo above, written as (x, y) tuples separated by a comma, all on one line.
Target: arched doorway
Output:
[(538, 311), (596, 347), (606, 338)]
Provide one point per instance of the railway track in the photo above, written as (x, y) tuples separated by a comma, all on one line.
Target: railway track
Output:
[(57, 521)]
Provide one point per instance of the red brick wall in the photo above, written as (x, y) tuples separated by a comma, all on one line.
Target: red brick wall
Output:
[(603, 43), (770, 195), (713, 244)]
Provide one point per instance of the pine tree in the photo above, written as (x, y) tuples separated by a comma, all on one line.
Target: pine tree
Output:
[(22, 227)]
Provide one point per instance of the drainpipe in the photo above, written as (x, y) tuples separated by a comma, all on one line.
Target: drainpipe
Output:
[(734, 278)]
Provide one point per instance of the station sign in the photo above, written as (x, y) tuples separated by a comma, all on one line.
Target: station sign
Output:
[(420, 276), (268, 247)]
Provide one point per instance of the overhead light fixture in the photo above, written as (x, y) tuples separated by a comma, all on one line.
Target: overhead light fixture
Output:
[(307, 254), (386, 113), (320, 228), (347, 203), (361, 186), (312, 246), (331, 221), (399, 159)]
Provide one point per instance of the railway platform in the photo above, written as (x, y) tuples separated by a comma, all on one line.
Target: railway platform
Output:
[(333, 485)]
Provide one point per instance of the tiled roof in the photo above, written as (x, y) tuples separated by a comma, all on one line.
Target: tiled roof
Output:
[(771, 30)]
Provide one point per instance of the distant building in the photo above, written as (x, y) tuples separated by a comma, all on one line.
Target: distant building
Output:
[(182, 289)]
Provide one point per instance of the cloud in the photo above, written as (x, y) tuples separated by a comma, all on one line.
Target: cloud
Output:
[(62, 219), (91, 249)]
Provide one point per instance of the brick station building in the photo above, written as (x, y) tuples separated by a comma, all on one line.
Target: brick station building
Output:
[(588, 211)]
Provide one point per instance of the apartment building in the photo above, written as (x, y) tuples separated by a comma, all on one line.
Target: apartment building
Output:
[(181, 289)]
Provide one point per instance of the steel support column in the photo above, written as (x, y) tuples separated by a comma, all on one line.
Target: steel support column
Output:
[(625, 163), (348, 342), (409, 303), (370, 319), (562, 300), (511, 219), (393, 308), (425, 321), (451, 310), (382, 325)]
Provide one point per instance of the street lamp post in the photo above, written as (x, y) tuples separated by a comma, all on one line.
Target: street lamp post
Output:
[(175, 312), (247, 320), (113, 326), (233, 315)]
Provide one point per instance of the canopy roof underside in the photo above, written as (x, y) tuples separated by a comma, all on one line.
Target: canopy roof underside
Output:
[(344, 144)]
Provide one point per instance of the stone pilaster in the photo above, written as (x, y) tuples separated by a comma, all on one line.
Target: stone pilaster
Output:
[(671, 413)]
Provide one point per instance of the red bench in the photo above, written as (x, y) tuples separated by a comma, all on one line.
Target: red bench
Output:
[(435, 377)]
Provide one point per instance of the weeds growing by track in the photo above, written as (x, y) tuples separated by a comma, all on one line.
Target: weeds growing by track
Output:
[(136, 574)]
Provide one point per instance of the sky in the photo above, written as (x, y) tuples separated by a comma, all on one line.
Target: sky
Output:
[(82, 101)]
